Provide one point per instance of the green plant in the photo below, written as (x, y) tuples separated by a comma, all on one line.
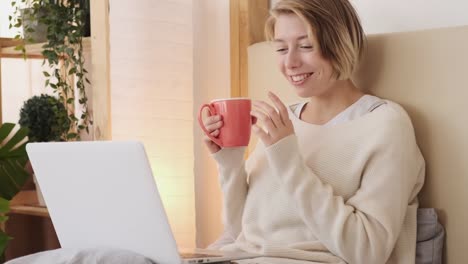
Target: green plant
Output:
[(46, 118), (13, 175), (26, 10), (4, 238), (63, 51)]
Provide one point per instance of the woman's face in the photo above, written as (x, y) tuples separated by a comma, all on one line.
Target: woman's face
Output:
[(300, 59)]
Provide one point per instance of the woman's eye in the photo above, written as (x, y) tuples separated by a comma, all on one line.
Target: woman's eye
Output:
[(281, 49), (306, 47)]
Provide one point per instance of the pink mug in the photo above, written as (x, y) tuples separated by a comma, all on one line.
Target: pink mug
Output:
[(237, 121)]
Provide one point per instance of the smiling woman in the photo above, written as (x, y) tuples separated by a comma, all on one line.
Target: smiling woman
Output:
[(329, 164), (340, 41)]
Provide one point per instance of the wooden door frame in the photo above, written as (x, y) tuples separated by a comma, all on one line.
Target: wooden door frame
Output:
[(100, 77), (247, 19)]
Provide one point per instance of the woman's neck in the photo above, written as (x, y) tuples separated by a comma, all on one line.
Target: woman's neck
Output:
[(322, 108)]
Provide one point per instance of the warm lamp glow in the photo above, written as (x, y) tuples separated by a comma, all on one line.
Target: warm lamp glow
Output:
[(152, 98), (175, 180)]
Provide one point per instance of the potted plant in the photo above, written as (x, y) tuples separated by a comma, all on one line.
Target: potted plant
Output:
[(63, 52), (13, 173), (34, 30), (47, 120)]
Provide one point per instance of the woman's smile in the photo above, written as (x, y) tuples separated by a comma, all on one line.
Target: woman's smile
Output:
[(299, 79)]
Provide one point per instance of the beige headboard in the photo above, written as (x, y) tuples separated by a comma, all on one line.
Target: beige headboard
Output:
[(427, 73)]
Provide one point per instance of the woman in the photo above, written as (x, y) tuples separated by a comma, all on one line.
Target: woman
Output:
[(334, 179)]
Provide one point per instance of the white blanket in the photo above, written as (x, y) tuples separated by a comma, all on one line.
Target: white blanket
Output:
[(88, 256)]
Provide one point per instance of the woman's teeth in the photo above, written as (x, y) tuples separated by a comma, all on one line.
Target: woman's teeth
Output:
[(300, 78)]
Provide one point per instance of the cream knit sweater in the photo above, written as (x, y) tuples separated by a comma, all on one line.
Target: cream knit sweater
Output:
[(328, 194)]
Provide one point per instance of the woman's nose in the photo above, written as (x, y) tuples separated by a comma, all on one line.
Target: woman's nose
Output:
[(292, 60)]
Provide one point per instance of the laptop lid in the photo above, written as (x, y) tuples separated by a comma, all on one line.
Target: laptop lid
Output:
[(102, 194)]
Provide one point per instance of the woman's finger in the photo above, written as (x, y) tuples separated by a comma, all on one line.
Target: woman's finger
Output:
[(265, 120), (207, 140), (269, 110), (213, 126), (211, 119), (282, 110), (212, 147), (215, 133), (261, 134)]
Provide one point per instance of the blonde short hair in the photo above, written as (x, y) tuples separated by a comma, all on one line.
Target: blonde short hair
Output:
[(334, 23)]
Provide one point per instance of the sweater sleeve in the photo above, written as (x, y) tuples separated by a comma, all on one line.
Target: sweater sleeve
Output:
[(365, 227), (233, 181)]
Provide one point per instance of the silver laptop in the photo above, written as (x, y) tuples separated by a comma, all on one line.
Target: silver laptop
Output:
[(103, 194)]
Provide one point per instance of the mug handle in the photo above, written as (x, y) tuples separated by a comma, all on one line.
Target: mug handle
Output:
[(212, 111)]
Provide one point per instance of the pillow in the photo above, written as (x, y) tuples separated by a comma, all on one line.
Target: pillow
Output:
[(84, 256), (430, 237)]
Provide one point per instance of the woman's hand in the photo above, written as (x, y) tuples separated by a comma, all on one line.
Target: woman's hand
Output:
[(275, 119), (212, 124)]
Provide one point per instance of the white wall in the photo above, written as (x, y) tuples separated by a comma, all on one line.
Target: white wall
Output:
[(379, 16), (20, 81), (16, 75), (151, 61), (211, 80), (6, 10)]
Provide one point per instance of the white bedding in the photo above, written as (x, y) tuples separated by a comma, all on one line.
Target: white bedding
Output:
[(88, 256)]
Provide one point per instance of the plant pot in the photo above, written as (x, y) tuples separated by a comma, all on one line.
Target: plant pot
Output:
[(33, 21), (40, 198)]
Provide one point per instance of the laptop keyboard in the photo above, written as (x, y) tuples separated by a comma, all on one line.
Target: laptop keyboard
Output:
[(197, 255)]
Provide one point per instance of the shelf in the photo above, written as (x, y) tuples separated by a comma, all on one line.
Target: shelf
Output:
[(25, 202), (33, 51), (29, 210), (8, 42)]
